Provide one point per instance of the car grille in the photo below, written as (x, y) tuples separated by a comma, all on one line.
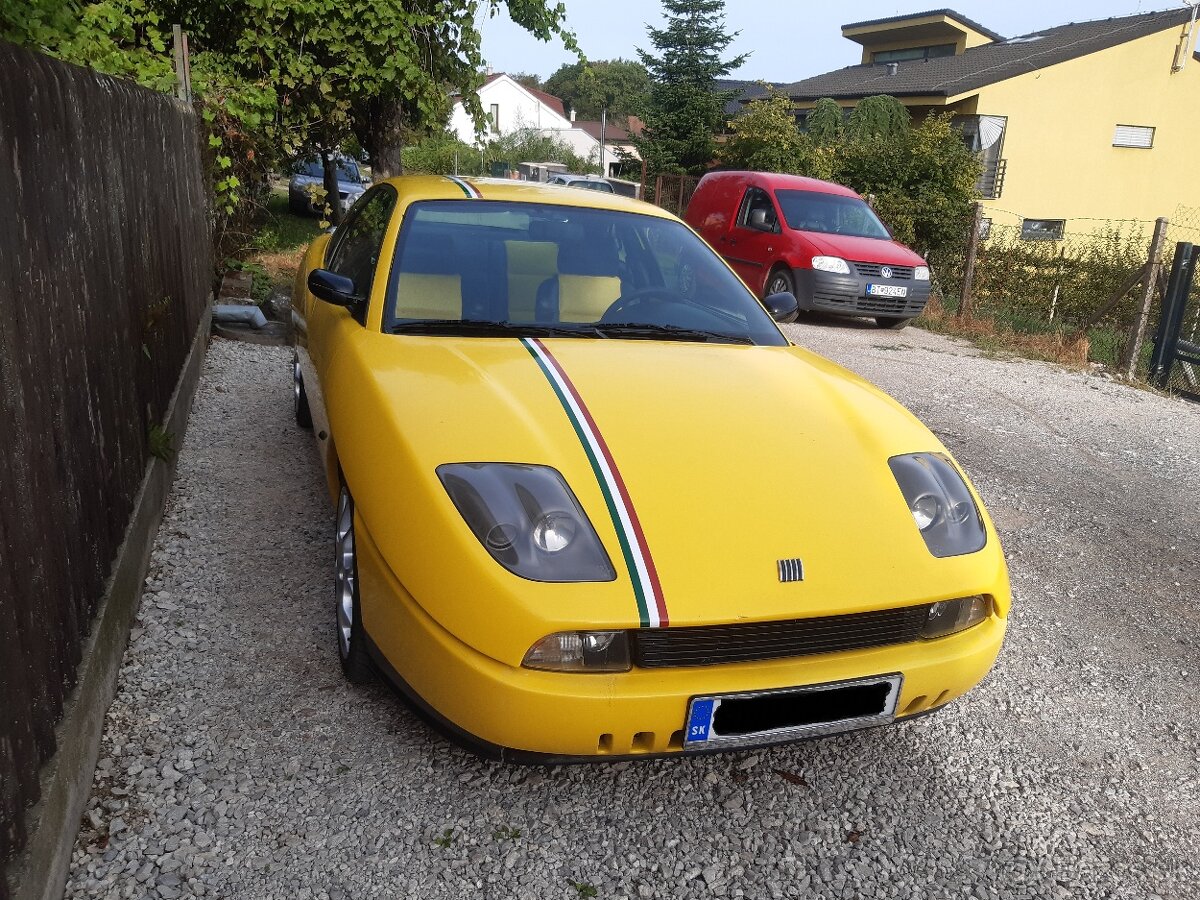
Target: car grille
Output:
[(875, 270), (898, 306), (708, 645)]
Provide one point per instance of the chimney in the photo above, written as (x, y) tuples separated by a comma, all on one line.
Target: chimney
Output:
[(893, 68), (572, 115)]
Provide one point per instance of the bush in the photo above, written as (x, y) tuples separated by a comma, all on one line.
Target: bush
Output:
[(445, 154)]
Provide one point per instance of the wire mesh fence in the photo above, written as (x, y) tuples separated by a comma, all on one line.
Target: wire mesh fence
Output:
[(1062, 283)]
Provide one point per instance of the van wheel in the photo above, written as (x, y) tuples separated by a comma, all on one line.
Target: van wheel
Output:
[(780, 280), (889, 322)]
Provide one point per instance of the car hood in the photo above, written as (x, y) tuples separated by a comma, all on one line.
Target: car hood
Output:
[(733, 458), (862, 249)]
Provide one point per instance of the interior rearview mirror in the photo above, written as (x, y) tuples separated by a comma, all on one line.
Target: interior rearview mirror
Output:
[(783, 307)]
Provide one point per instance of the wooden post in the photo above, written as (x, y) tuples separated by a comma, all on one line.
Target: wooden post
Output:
[(1133, 347), (967, 300)]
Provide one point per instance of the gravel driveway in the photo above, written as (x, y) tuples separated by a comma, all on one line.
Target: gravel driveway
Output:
[(237, 763)]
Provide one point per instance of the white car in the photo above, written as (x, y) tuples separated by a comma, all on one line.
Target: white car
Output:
[(307, 174), (587, 182)]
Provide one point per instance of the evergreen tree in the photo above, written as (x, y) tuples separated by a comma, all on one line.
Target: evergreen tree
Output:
[(879, 116), (683, 111), (824, 122)]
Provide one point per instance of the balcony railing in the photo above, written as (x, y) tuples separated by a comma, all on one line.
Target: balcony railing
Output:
[(991, 181)]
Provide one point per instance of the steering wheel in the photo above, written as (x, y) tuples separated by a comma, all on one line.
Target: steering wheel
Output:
[(634, 299)]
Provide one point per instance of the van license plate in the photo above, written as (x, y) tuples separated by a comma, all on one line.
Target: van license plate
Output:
[(887, 290)]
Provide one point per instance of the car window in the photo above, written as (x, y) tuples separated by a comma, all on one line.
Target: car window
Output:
[(830, 214), (347, 170), (757, 206), (487, 261), (355, 248)]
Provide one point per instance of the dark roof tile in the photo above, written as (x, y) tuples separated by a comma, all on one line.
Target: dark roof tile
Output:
[(979, 66)]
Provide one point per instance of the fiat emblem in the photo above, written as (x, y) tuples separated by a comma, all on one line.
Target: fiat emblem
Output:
[(886, 271)]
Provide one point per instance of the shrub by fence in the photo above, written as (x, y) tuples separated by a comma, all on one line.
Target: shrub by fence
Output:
[(104, 274), (1056, 285)]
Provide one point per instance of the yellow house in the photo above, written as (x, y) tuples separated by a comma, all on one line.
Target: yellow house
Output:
[(1084, 122)]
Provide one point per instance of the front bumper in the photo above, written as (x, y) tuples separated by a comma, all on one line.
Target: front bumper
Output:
[(531, 716), (847, 295)]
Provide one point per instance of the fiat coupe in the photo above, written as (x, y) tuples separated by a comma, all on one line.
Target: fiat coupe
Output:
[(592, 503)]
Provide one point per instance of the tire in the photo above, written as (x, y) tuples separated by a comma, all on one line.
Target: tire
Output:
[(300, 396), (889, 322), (780, 279), (351, 639)]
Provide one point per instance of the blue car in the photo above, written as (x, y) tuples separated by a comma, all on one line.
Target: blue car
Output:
[(308, 173)]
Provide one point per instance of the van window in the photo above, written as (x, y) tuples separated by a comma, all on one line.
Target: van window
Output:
[(757, 200), (830, 214)]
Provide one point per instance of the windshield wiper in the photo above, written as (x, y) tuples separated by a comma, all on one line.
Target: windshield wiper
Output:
[(486, 328), (668, 332)]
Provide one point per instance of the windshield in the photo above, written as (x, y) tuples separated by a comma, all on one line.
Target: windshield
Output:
[(830, 214), (486, 267), (346, 170)]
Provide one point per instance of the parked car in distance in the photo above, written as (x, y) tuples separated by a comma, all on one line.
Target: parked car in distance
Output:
[(819, 240), (307, 173), (591, 502), (587, 182)]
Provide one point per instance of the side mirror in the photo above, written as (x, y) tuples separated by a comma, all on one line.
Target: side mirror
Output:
[(333, 288), (783, 307)]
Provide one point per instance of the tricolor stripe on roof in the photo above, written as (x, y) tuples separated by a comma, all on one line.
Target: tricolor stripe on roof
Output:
[(652, 608), (467, 188)]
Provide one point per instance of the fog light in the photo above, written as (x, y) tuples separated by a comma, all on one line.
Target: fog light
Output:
[(580, 651), (951, 616)]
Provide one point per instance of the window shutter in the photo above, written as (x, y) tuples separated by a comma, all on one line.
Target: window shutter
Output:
[(1139, 136)]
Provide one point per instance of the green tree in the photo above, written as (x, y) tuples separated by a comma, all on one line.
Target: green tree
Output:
[(588, 87), (824, 123), (527, 79), (765, 137), (879, 116), (683, 111)]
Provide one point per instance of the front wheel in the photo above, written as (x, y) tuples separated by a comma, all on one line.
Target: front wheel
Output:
[(780, 280), (351, 639), (889, 322), (299, 396)]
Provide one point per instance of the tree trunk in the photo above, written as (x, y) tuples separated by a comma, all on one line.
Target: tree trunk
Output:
[(382, 136), (333, 198)]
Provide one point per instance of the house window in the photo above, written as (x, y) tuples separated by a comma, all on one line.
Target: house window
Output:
[(1043, 229), (1139, 136), (494, 112), (932, 52)]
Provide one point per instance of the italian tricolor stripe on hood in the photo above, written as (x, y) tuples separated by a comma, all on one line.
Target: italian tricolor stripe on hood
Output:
[(652, 608)]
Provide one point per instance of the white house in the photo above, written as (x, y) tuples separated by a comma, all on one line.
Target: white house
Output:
[(511, 107)]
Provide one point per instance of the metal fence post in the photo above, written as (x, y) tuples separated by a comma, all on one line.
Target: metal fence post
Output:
[(1129, 360), (967, 299)]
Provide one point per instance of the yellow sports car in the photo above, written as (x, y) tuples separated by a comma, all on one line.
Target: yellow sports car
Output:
[(592, 503)]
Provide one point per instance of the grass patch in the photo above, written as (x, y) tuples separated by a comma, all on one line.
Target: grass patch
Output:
[(278, 247), (992, 334)]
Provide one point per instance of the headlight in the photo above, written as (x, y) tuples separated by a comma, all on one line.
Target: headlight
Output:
[(831, 264), (951, 616), (528, 520), (940, 503), (580, 651), (921, 273)]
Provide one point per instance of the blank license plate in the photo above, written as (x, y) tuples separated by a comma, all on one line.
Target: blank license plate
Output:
[(887, 290), (789, 714)]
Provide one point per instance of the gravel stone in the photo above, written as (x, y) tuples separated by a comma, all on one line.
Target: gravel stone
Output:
[(241, 765)]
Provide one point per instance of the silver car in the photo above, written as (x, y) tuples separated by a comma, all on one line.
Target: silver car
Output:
[(307, 174)]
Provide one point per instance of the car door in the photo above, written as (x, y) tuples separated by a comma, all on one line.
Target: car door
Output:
[(353, 252), (749, 245)]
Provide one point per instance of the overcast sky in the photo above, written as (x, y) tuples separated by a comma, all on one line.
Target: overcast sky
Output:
[(787, 39)]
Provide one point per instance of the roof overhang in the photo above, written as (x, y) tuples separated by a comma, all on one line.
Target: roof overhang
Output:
[(940, 26)]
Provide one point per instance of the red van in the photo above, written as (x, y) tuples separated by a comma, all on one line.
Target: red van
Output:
[(819, 240)]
